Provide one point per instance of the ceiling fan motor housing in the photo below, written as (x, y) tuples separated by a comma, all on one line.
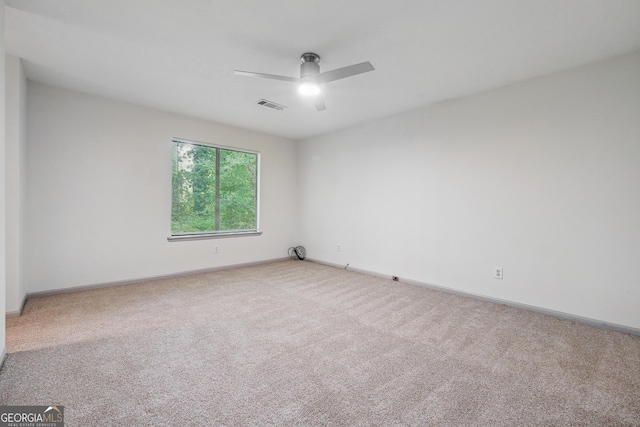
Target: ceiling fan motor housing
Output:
[(309, 66)]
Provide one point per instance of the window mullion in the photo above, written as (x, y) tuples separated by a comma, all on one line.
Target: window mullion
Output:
[(217, 189)]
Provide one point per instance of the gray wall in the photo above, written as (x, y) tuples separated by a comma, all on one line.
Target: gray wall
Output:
[(3, 297), (541, 178), (15, 155), (99, 192)]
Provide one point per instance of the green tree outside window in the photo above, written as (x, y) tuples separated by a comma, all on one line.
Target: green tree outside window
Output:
[(214, 189)]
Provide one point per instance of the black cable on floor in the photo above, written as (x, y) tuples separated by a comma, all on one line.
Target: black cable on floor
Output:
[(297, 252)]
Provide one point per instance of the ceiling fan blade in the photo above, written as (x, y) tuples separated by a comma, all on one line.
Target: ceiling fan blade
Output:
[(341, 73), (319, 103), (267, 76)]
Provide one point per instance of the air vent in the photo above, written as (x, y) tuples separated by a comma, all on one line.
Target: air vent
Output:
[(271, 104)]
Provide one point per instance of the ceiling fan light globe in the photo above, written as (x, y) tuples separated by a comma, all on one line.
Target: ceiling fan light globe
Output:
[(309, 89)]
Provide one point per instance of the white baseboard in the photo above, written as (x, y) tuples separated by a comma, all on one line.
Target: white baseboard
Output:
[(567, 316), (52, 292)]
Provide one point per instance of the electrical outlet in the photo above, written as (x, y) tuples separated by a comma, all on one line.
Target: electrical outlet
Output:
[(217, 250), (497, 273), (339, 248)]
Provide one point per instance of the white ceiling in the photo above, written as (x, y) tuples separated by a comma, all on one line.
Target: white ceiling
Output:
[(179, 55)]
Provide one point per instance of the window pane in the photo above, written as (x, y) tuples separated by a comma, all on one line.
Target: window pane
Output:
[(194, 188), (199, 204), (238, 190)]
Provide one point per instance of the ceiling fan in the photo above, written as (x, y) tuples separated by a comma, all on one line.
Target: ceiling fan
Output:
[(311, 78)]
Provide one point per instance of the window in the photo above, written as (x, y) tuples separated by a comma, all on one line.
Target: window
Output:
[(214, 190)]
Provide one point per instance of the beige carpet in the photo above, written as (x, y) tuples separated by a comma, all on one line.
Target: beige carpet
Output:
[(300, 344)]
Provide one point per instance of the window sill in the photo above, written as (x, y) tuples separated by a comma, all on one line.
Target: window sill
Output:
[(221, 235)]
